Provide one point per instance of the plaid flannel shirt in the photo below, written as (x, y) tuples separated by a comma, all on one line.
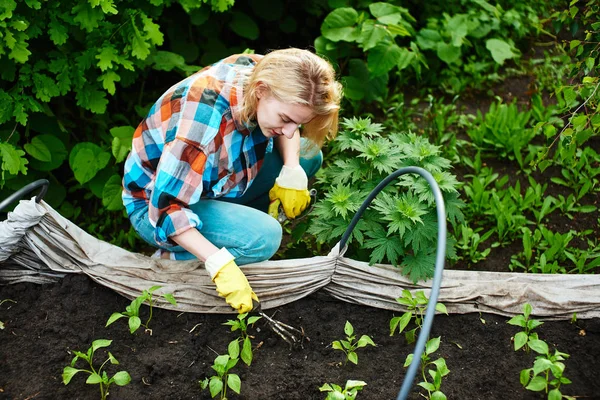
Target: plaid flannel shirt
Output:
[(193, 145)]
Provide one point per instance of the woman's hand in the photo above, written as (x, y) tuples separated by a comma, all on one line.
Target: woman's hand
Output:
[(291, 189)]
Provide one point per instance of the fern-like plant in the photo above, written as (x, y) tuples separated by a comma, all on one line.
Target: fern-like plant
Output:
[(401, 225)]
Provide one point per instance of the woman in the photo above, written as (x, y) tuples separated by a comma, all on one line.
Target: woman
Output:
[(216, 147)]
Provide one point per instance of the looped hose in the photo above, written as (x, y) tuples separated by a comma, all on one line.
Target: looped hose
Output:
[(43, 183), (439, 263)]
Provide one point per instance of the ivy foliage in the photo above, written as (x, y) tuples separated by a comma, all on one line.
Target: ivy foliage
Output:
[(401, 225), (469, 37)]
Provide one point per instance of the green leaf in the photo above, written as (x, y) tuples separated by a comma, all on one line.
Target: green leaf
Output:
[(539, 346), (58, 32), (12, 159), (68, 373), (86, 160), (244, 26), (100, 343), (353, 357), (134, 323), (246, 354), (555, 394), (121, 378), (234, 382), (448, 53), (437, 395), (215, 386), (38, 150), (387, 13), (114, 317), (339, 25), (364, 341), (93, 379), (500, 50), (525, 376), (167, 61), (371, 35), (111, 195), (86, 16), (537, 384), (520, 340), (383, 57)]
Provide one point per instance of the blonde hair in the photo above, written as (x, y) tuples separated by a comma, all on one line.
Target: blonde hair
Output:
[(296, 76)]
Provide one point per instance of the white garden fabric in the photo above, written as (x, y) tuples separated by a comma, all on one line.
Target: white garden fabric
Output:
[(39, 245)]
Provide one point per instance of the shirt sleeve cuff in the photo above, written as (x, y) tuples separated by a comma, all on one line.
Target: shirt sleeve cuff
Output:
[(215, 262)]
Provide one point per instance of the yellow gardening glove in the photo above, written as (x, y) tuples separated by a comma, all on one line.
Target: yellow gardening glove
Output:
[(231, 281), (291, 189)]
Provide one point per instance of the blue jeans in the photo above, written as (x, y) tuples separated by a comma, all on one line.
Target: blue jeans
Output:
[(241, 225)]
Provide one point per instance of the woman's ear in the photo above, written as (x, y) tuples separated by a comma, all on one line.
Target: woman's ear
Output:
[(261, 90)]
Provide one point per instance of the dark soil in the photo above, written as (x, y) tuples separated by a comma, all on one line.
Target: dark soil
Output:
[(48, 322)]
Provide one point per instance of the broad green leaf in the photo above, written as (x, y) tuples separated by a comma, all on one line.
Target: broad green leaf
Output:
[(525, 376), (153, 33), (363, 341), (383, 57), (134, 323), (353, 357), (432, 345), (121, 378), (520, 340), (111, 195), (437, 395), (537, 384), (348, 329), (167, 61), (86, 16), (93, 379), (539, 346), (58, 32), (500, 50), (115, 316), (246, 354), (387, 13), (339, 25), (108, 80), (555, 394), (371, 35), (100, 343), (86, 160), (351, 384), (19, 51), (234, 382), (215, 386), (233, 348), (448, 53), (244, 26), (68, 373)]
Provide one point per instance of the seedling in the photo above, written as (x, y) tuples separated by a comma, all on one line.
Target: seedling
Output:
[(218, 384), (97, 376), (241, 323), (335, 392), (547, 373), (526, 336), (441, 370), (132, 311), (349, 346), (416, 307), (2, 302)]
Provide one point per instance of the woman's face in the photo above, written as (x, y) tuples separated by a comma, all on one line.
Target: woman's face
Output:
[(276, 118)]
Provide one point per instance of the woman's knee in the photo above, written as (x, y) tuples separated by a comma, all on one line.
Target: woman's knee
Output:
[(262, 243)]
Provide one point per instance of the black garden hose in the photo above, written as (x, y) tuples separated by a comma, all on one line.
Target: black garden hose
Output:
[(43, 183), (439, 263)]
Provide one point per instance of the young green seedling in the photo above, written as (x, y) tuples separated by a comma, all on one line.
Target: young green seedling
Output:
[(416, 307), (241, 323), (2, 302), (132, 311), (335, 392), (538, 378), (441, 370), (218, 384), (349, 346), (97, 376), (526, 336)]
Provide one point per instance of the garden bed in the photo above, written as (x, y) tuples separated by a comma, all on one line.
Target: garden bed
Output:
[(48, 321)]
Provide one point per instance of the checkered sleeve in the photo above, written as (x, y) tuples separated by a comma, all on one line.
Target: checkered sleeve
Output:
[(195, 112)]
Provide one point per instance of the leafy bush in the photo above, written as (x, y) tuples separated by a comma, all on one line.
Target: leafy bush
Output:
[(400, 228)]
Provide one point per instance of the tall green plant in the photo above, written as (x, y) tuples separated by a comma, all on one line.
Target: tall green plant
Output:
[(400, 227)]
